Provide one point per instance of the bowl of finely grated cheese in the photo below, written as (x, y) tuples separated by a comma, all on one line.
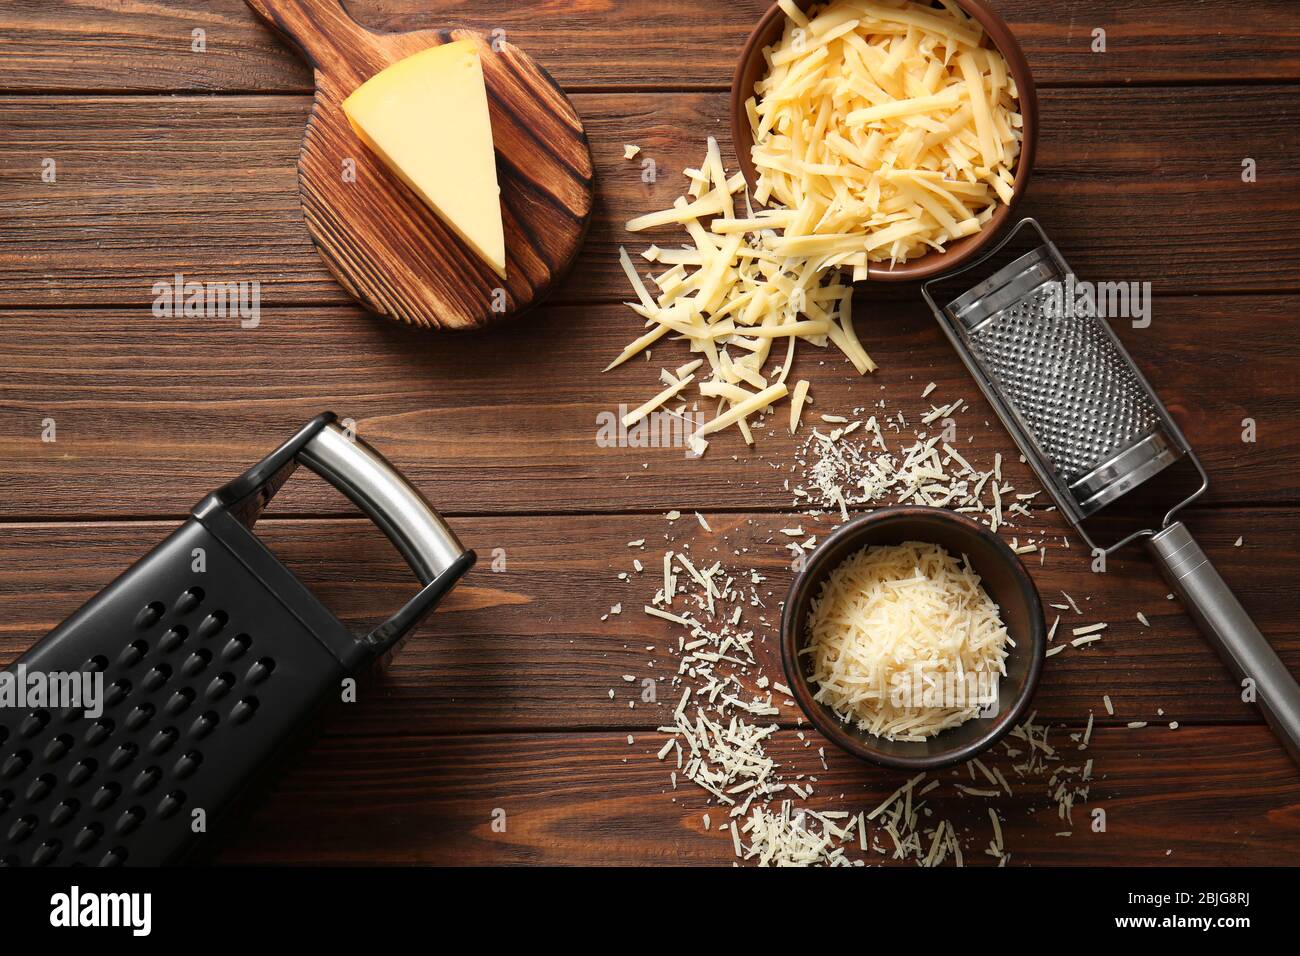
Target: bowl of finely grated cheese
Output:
[(913, 638)]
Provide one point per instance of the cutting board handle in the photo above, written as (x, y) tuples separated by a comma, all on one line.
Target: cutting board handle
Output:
[(320, 30)]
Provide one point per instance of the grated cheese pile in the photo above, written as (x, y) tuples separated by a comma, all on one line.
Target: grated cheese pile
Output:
[(770, 814), (726, 756), (885, 128), (902, 613), (733, 299), (720, 726)]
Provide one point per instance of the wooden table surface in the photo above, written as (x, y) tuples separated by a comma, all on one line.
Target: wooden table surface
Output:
[(174, 161)]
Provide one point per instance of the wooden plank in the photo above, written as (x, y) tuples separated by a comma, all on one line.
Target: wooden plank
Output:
[(104, 45), (151, 414), (1210, 796), (532, 645), (148, 187)]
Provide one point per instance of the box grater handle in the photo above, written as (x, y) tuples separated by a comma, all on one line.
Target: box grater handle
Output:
[(431, 549), (429, 546), (1227, 626)]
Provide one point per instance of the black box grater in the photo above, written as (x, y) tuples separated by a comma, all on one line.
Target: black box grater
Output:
[(214, 657)]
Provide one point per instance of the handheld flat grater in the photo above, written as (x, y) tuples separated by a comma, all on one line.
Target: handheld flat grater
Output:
[(214, 659), (1091, 427)]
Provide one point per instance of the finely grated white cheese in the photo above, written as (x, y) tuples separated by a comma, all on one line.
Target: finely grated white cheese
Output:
[(889, 616), (718, 724)]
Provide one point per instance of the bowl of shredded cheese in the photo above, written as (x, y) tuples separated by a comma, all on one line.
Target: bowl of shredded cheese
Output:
[(913, 638), (890, 137)]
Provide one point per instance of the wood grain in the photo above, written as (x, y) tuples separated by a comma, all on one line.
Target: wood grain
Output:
[(152, 414), (378, 238), (1195, 796), (206, 187), (501, 700), (525, 647), (104, 45)]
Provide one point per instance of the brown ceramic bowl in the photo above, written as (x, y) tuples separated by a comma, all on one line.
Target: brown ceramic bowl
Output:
[(752, 66), (1005, 580)]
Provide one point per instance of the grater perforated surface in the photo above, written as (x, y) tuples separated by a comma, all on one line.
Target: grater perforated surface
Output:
[(1080, 398), (205, 673)]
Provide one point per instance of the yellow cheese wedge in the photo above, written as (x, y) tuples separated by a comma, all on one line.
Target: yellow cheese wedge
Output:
[(427, 118)]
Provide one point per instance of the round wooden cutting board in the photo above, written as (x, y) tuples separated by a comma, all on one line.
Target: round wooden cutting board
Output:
[(384, 245)]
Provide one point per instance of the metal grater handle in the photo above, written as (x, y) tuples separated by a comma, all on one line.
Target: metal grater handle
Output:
[(388, 499), (1228, 627), (432, 550), (430, 547)]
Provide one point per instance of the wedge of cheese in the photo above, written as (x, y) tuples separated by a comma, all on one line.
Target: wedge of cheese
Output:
[(427, 118)]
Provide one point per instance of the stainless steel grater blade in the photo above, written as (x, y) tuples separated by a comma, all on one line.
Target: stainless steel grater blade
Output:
[(1092, 429)]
